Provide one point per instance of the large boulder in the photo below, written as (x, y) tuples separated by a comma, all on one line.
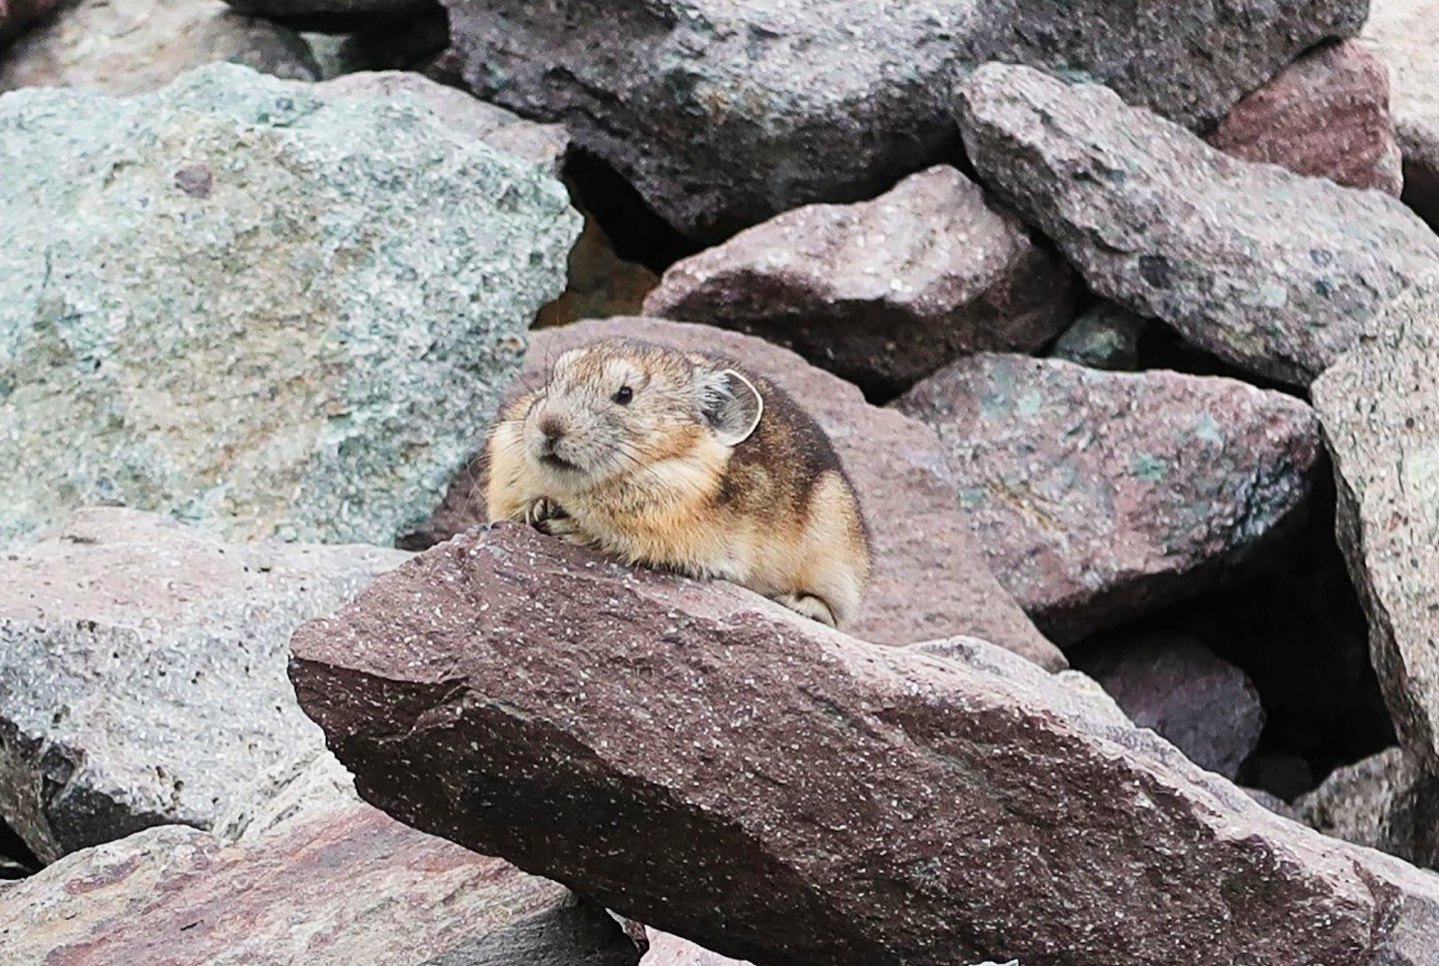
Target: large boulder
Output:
[(1326, 116), (237, 303), (1275, 272), (1404, 34), (337, 889), (142, 674), (881, 292), (725, 113), (702, 760), (1380, 410), (133, 46), (1099, 496), (929, 580)]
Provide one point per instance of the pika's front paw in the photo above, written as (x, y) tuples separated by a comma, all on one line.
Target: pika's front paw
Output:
[(808, 605), (549, 518)]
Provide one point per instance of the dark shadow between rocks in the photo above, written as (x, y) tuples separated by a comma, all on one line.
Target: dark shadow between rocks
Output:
[(637, 232)]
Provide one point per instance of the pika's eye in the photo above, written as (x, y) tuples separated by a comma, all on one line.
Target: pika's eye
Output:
[(624, 395)]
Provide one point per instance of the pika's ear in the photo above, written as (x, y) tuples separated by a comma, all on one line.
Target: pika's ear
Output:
[(731, 405)]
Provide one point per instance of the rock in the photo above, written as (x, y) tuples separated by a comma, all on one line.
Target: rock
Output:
[(695, 757), (1274, 272), (724, 114), (142, 674), (1273, 803), (928, 580), (16, 15), (543, 145), (1097, 497), (335, 890), (329, 302), (1372, 802), (281, 9), (134, 46), (667, 950), (1380, 409), (16, 860), (1104, 337), (1177, 687), (1404, 34), (408, 41), (881, 292), (601, 283), (1325, 116)]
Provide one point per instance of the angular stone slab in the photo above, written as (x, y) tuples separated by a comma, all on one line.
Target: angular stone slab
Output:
[(142, 674), (929, 580), (233, 302), (696, 758), (1097, 497), (1380, 410), (1274, 272), (881, 292), (724, 113), (345, 888)]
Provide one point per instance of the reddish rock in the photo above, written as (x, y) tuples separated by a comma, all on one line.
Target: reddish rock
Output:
[(1177, 687), (700, 759), (1404, 34), (881, 292), (928, 580), (1326, 116), (339, 889), (1099, 496)]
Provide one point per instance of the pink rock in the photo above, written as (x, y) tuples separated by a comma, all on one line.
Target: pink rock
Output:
[(1326, 116), (667, 950)]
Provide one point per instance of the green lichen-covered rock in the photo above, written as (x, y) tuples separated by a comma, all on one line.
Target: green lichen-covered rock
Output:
[(271, 315)]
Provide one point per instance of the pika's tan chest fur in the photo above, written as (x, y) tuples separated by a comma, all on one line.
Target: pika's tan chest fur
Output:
[(679, 461)]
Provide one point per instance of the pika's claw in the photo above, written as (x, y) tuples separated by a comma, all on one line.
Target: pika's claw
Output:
[(541, 512), (809, 606)]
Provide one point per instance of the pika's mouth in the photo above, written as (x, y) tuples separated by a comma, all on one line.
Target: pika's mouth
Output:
[(555, 462)]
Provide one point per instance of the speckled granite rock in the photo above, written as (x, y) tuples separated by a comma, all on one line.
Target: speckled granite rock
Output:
[(1404, 34), (133, 46), (142, 674), (881, 292), (1097, 497), (337, 889), (1274, 272), (1380, 410), (929, 580), (233, 302), (724, 113), (1373, 802), (1325, 116), (1105, 337), (658, 743), (667, 950), (543, 145)]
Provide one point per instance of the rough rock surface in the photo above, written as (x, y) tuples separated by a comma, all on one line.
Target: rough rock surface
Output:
[(667, 950), (1404, 34), (543, 145), (700, 759), (1106, 336), (726, 112), (1372, 802), (133, 46), (334, 890), (1380, 410), (328, 303), (928, 581), (1272, 271), (142, 674), (1174, 685), (1325, 116), (1099, 496), (881, 292), (16, 15), (280, 9)]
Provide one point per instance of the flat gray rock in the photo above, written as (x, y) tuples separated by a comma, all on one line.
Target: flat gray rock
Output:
[(881, 292), (1272, 271), (239, 304), (349, 887), (1380, 410), (142, 675), (724, 113), (134, 46), (1097, 497), (697, 758)]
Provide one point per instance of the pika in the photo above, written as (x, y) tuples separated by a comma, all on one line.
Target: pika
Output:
[(681, 462)]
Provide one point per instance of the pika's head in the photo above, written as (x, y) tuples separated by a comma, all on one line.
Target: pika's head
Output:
[(617, 407)]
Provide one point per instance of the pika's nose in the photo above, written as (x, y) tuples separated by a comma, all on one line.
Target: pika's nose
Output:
[(552, 429)]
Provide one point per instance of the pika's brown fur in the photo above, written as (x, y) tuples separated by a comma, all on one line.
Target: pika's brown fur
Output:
[(681, 461)]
